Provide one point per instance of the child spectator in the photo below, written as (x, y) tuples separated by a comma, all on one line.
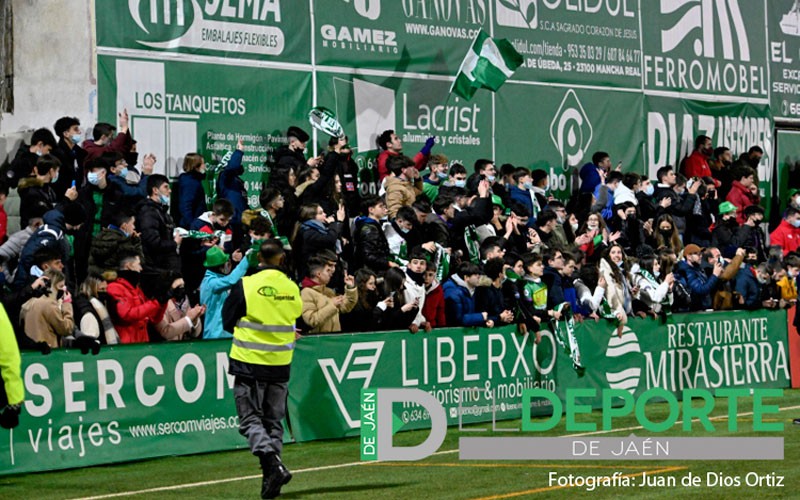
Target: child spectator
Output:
[(490, 298), (459, 301), (415, 287), (433, 310)]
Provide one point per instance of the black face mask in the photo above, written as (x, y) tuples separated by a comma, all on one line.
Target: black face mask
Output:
[(131, 277), (102, 297), (60, 295), (179, 294), (752, 262), (667, 234), (418, 278)]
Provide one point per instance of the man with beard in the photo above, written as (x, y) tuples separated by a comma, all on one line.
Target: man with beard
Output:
[(724, 231), (696, 164)]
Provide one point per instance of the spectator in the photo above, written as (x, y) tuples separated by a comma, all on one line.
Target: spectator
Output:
[(590, 290), (316, 233), (69, 152), (292, 154), (724, 231), (701, 287), (404, 186), (604, 195), (592, 174), (459, 301), (159, 242), (696, 164), (347, 170), (118, 239), (230, 184), (749, 281), (619, 292), (456, 180), (394, 313), (788, 282), (740, 194), (667, 234), (437, 164), (131, 311), (360, 319), (415, 287), (192, 203), (284, 179), (533, 296), (390, 145), (750, 234), (49, 317), (180, 321), (36, 192), (655, 290), (787, 234), (489, 298), (433, 309), (520, 191), (42, 143), (321, 305), (215, 287), (103, 138), (273, 203), (120, 195), (89, 306), (215, 223), (11, 250), (371, 246)]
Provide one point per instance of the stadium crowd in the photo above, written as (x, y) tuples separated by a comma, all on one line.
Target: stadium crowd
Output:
[(107, 253)]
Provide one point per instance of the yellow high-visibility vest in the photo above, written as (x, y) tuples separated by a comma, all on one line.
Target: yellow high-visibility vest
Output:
[(265, 335)]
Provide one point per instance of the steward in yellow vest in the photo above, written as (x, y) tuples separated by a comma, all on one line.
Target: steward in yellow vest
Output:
[(12, 389), (261, 311)]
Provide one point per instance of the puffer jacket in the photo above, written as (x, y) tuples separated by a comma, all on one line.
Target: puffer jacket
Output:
[(319, 311), (372, 249), (132, 311), (156, 226), (34, 194), (401, 193), (742, 198), (109, 246), (700, 286), (460, 305), (51, 234)]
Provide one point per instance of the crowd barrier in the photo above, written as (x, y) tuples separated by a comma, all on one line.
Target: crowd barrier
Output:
[(144, 401)]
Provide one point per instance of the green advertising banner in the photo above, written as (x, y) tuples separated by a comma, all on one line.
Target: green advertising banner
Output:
[(181, 107), (715, 48), (783, 18), (406, 36), (591, 43), (569, 125), (480, 374), (127, 403), (673, 124), (415, 109), (268, 30)]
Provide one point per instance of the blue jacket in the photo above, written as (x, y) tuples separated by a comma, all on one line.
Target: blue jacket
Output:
[(50, 234), (191, 197), (231, 186), (747, 286), (460, 305), (590, 179), (700, 286), (213, 291), (522, 196)]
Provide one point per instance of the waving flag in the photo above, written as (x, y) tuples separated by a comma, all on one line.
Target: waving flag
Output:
[(488, 64)]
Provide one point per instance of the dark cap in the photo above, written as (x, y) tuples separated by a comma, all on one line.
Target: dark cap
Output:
[(297, 133)]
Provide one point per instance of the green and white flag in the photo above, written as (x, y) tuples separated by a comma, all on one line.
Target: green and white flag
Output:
[(488, 64)]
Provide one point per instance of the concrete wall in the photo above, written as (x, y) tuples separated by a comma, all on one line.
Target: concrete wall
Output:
[(55, 68)]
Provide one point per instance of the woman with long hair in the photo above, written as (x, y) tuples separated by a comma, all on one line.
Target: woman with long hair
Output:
[(655, 288), (91, 312), (394, 313), (313, 233), (360, 319), (191, 194), (619, 292), (284, 179), (666, 234)]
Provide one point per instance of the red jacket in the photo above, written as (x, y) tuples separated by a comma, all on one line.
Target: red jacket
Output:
[(433, 309), (696, 165), (742, 198), (420, 161), (786, 236), (122, 143), (134, 311)]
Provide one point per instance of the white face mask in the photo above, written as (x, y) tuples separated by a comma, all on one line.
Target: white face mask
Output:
[(592, 225), (574, 226)]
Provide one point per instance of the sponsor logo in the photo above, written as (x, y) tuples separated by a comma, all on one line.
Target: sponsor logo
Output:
[(366, 39), (571, 130), (218, 25), (371, 9), (272, 293), (624, 376), (700, 22), (526, 13), (790, 22), (355, 373)]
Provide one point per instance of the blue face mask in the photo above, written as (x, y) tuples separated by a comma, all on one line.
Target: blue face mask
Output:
[(164, 199), (54, 179), (123, 173), (490, 178), (441, 175), (93, 178), (649, 190), (76, 138), (527, 185), (460, 183), (404, 230)]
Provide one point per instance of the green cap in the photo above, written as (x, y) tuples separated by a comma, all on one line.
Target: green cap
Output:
[(215, 256), (727, 207), (793, 192), (496, 200)]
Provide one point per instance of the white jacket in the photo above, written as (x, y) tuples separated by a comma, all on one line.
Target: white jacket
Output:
[(412, 292)]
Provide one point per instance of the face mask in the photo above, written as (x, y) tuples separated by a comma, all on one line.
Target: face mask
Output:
[(656, 273), (123, 173), (790, 274), (560, 219), (60, 295), (179, 293), (574, 227), (752, 262), (76, 138), (54, 179), (490, 178), (666, 233), (93, 178), (201, 170), (592, 226), (460, 183), (164, 199), (762, 281), (131, 277), (649, 190), (38, 153), (441, 175), (527, 185), (796, 201), (102, 297), (404, 230), (708, 151), (796, 223)]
